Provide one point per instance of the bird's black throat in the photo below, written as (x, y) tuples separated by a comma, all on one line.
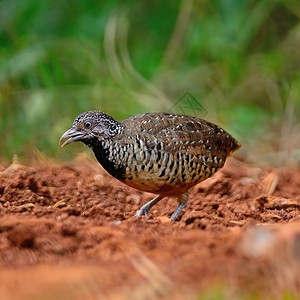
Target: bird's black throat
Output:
[(102, 155)]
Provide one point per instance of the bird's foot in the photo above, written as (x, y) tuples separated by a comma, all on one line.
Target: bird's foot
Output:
[(177, 212), (143, 211), (182, 204)]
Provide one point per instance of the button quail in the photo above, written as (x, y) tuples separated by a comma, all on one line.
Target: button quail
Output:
[(165, 154)]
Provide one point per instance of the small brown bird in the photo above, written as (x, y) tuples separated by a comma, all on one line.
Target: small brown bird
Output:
[(165, 154)]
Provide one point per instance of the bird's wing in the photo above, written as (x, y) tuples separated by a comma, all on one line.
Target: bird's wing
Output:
[(179, 133)]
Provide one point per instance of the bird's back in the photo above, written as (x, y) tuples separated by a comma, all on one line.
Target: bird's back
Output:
[(167, 153)]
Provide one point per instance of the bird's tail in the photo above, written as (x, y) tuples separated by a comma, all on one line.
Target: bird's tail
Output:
[(235, 145)]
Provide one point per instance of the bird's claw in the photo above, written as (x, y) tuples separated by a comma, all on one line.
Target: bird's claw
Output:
[(142, 212)]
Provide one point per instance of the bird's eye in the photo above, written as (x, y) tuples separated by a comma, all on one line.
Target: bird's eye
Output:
[(87, 124)]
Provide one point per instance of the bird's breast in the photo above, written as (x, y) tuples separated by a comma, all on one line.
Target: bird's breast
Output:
[(109, 156), (153, 169)]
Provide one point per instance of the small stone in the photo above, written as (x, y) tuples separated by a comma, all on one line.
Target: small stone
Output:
[(68, 229), (133, 199), (164, 219), (21, 237)]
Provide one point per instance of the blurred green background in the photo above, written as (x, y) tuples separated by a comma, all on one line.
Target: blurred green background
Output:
[(239, 58)]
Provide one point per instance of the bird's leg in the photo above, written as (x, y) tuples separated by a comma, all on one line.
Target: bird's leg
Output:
[(143, 211), (183, 200)]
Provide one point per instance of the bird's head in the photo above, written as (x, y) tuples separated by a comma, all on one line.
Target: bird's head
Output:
[(90, 127)]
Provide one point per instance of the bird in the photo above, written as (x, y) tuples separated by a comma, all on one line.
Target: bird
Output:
[(161, 153)]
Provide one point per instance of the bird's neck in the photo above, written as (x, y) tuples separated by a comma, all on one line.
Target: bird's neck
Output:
[(103, 152)]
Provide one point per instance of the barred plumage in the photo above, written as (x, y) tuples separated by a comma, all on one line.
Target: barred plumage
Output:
[(161, 153)]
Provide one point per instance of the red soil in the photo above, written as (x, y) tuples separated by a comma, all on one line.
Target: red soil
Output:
[(68, 232)]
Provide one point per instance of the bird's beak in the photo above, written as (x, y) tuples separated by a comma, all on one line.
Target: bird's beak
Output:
[(73, 136)]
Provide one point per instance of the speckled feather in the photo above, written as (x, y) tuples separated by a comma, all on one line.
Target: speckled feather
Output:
[(162, 153), (168, 154)]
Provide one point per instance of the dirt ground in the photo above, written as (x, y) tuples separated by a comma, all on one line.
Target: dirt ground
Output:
[(68, 231)]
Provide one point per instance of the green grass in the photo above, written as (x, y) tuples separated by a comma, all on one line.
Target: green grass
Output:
[(240, 59)]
